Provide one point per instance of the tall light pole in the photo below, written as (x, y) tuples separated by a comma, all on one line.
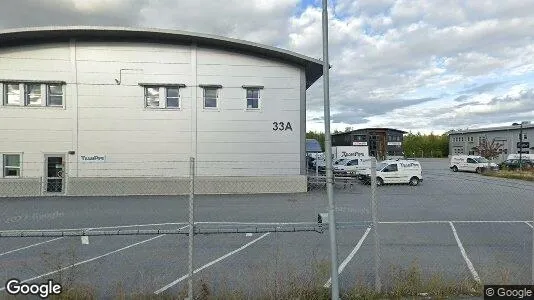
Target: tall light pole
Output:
[(520, 143), (520, 168), (328, 158)]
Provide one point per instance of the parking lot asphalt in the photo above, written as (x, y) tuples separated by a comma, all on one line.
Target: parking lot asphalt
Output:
[(458, 225)]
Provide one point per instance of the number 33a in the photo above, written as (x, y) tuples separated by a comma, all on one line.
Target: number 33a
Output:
[(281, 126)]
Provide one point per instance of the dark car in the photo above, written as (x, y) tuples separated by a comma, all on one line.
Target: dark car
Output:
[(512, 164)]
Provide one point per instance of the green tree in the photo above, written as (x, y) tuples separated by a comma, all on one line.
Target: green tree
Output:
[(430, 145)]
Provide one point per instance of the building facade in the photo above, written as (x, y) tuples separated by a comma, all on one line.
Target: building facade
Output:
[(117, 111), (465, 141), (381, 142)]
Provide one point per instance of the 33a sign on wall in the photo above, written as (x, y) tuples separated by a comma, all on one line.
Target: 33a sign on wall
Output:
[(282, 126)]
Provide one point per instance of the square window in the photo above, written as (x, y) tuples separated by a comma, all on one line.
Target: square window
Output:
[(152, 97), (173, 97), (12, 94), (252, 103), (11, 165), (210, 97), (55, 95), (33, 94), (253, 98)]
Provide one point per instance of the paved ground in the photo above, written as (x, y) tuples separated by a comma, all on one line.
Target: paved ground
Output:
[(459, 225)]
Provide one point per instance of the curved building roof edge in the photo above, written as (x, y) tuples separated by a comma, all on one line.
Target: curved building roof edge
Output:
[(8, 37)]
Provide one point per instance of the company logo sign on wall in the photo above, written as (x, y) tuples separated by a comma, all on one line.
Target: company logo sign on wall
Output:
[(93, 158), (349, 154)]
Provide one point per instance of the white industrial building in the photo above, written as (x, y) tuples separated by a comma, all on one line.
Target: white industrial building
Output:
[(514, 139), (120, 111)]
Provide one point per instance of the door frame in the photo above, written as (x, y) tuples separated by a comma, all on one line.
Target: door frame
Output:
[(45, 172)]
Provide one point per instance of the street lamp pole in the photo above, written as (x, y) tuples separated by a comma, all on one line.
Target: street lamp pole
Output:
[(520, 143), (328, 159), (521, 146)]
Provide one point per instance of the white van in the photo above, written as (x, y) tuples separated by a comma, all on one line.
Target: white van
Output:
[(335, 163), (471, 163), (353, 166), (396, 171)]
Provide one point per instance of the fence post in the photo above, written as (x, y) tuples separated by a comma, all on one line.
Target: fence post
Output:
[(316, 166), (191, 226), (378, 285)]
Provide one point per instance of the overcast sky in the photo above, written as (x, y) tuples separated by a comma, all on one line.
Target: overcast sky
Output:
[(423, 66)]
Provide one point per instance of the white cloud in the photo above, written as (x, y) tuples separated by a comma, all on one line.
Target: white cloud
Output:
[(93, 6)]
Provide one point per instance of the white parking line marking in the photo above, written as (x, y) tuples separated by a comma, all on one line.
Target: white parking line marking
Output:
[(210, 264), (494, 221), (412, 222), (33, 245), (349, 257), (30, 246), (253, 223), (453, 221), (529, 224), (464, 254), (93, 228), (91, 259)]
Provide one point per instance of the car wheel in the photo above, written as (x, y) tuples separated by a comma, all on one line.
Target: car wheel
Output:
[(479, 170), (414, 181), (379, 181), (455, 169)]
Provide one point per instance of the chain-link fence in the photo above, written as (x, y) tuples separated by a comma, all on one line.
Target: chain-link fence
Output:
[(260, 231)]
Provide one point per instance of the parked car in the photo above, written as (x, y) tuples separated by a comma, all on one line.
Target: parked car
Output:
[(353, 167), (335, 162), (396, 171), (513, 164), (471, 163)]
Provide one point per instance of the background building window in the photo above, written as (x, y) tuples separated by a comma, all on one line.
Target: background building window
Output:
[(253, 98), (33, 94), (162, 96), (55, 95), (152, 97), (173, 97), (11, 165), (12, 94), (210, 97)]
